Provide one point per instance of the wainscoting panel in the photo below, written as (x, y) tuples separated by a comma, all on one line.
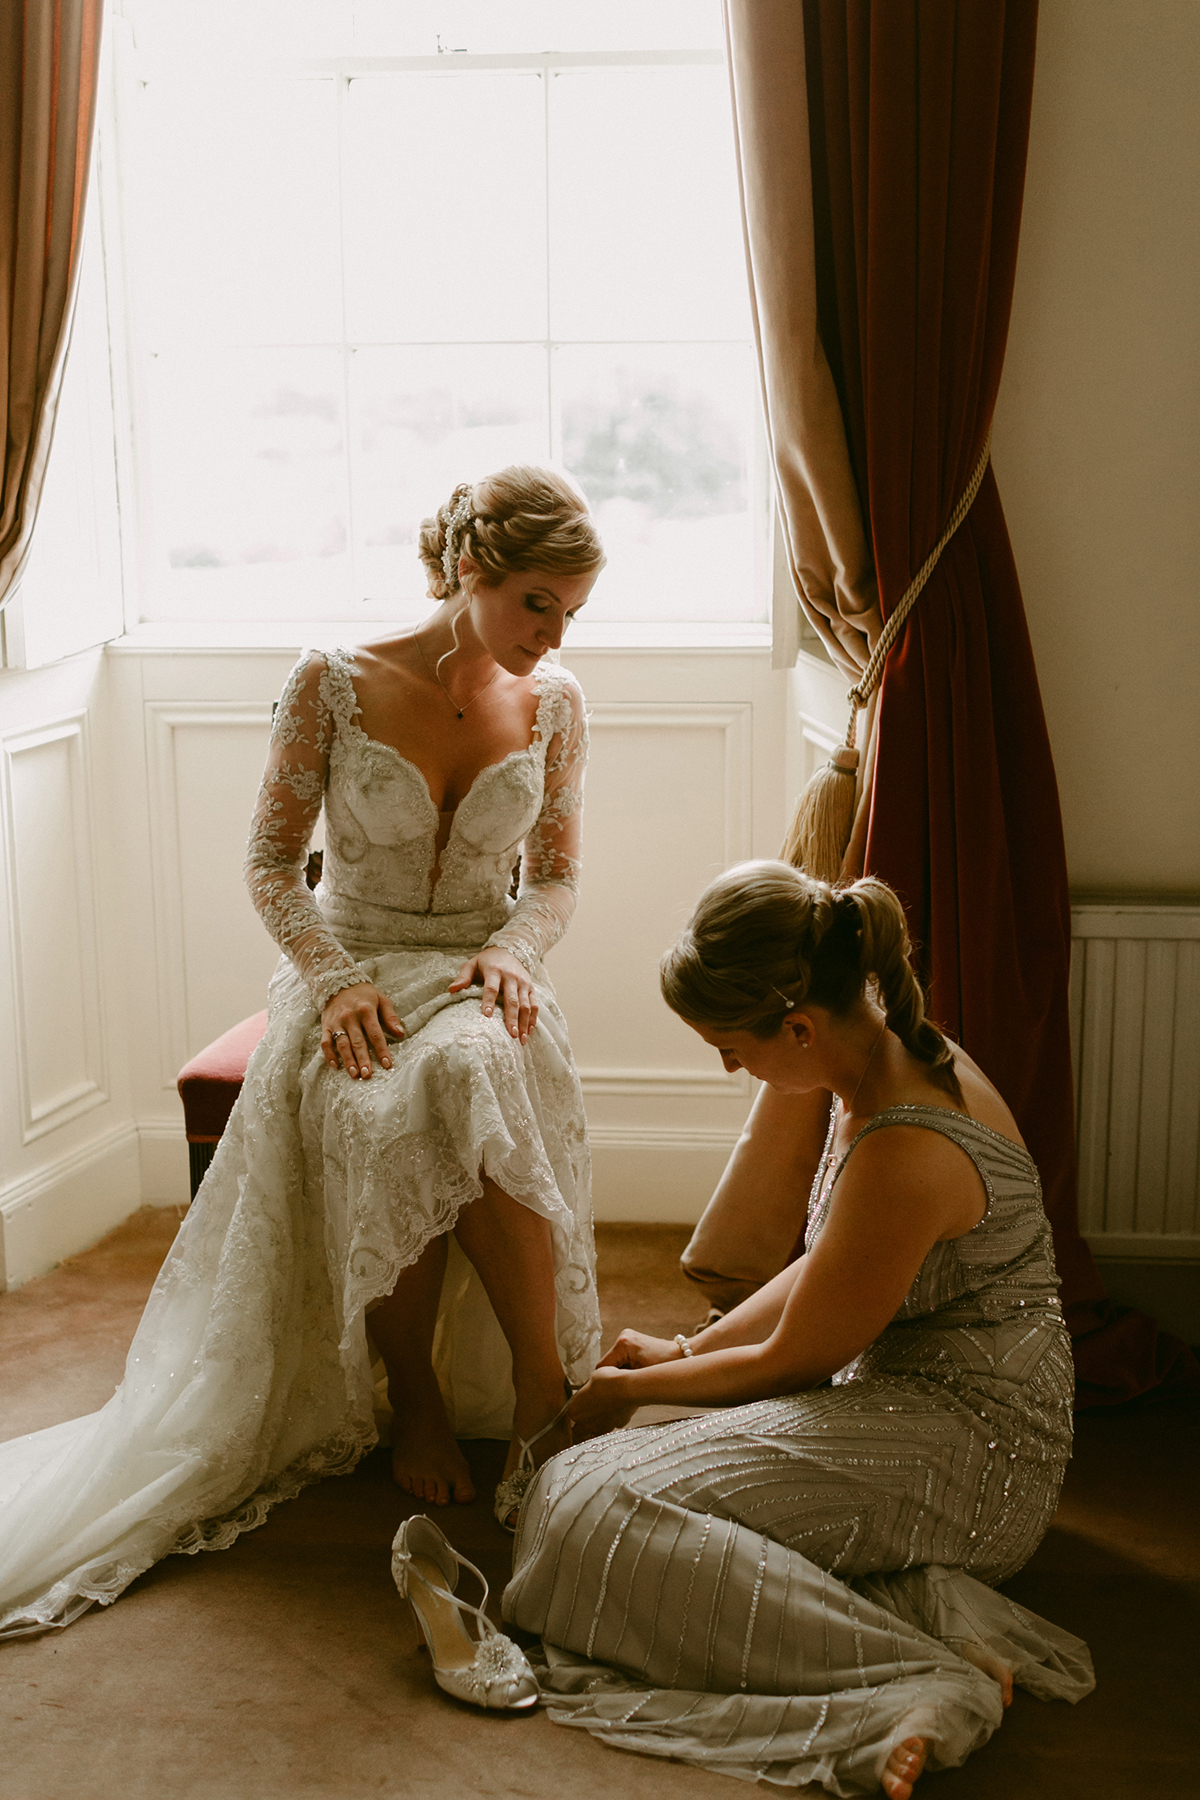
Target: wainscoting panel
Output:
[(53, 931), (668, 805), (1135, 1022), (214, 958), (686, 774)]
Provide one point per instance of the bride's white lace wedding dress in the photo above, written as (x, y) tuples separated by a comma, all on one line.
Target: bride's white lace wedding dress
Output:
[(250, 1373)]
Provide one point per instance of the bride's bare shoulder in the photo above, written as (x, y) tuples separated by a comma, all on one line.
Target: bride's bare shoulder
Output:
[(383, 661)]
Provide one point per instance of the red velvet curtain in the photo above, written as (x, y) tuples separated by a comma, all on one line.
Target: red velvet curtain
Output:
[(919, 121)]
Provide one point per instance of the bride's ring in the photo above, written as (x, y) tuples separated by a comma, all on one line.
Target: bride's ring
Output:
[(334, 1036)]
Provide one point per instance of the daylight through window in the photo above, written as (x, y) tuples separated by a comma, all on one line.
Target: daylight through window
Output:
[(402, 261)]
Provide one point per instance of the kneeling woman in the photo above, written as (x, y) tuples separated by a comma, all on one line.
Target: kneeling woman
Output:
[(798, 1586)]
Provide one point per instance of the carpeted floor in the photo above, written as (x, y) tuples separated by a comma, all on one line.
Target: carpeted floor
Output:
[(287, 1668)]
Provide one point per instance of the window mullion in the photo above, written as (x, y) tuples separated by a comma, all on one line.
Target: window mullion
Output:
[(343, 90), (552, 436)]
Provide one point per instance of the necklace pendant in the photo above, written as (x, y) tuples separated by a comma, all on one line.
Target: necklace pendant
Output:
[(460, 715)]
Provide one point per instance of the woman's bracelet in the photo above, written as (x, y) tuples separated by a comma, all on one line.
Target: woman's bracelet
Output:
[(685, 1349)]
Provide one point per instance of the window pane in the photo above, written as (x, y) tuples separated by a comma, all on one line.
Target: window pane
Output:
[(645, 234), (250, 483), (200, 30), (661, 437), (487, 27), (424, 420), (239, 179), (445, 208)]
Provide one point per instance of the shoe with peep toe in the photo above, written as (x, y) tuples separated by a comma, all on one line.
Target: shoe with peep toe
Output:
[(471, 1659), (512, 1490)]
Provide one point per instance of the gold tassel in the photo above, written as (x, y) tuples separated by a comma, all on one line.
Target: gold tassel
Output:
[(824, 817)]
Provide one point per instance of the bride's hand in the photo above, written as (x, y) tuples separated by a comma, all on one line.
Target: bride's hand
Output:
[(599, 1406), (634, 1350), (353, 1024), (503, 978)]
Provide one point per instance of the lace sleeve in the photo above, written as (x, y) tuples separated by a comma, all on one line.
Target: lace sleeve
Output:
[(550, 857), (289, 801)]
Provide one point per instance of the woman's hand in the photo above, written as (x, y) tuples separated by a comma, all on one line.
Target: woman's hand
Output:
[(634, 1350), (601, 1405), (505, 979), (353, 1024)]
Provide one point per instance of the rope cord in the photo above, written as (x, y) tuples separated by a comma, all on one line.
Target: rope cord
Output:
[(868, 681)]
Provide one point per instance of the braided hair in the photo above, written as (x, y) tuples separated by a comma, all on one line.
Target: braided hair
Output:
[(522, 517), (765, 938)]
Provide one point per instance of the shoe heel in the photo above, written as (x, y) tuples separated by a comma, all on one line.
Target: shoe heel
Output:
[(471, 1660)]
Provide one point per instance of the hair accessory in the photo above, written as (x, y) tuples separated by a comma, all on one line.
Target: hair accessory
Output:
[(454, 524), (790, 1004), (684, 1346)]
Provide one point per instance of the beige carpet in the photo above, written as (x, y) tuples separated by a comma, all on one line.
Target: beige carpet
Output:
[(287, 1666)]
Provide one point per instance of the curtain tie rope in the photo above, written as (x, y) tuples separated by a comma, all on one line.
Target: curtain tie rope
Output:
[(870, 678), (824, 815)]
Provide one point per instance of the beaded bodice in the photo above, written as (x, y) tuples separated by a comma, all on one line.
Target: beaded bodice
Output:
[(1003, 1269)]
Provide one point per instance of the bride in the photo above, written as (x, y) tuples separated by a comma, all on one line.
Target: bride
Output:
[(408, 1157)]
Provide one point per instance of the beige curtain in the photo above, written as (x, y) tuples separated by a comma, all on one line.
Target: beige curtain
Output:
[(49, 55), (821, 517)]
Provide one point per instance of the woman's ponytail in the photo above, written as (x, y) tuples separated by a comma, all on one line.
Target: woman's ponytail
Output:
[(885, 950)]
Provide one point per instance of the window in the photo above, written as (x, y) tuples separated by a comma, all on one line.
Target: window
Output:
[(421, 248)]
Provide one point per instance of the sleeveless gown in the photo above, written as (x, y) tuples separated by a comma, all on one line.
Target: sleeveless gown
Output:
[(250, 1373), (780, 1590)]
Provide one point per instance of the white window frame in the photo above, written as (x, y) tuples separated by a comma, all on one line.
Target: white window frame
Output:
[(134, 453)]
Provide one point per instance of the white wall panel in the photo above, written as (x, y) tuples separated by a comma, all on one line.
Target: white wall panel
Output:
[(53, 929), (668, 806), (214, 958)]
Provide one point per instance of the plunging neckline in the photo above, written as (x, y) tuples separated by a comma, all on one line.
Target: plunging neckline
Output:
[(536, 740)]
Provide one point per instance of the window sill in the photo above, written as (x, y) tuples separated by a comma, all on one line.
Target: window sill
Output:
[(231, 635)]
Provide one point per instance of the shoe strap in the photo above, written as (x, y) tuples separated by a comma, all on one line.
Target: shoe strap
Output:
[(487, 1629), (528, 1443)]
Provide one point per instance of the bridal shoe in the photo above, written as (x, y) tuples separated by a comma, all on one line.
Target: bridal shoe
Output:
[(511, 1491), (471, 1659)]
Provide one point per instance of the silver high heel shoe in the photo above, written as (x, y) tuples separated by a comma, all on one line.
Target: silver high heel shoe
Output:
[(512, 1490), (475, 1662)]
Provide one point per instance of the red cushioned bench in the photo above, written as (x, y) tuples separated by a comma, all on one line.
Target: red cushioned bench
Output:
[(210, 1084)]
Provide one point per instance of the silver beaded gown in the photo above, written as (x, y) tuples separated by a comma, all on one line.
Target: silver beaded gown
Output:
[(781, 1590)]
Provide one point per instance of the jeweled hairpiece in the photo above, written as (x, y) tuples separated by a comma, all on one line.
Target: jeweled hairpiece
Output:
[(790, 1004), (461, 516)]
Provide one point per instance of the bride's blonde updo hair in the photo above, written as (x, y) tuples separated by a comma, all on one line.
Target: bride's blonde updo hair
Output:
[(766, 938), (523, 517)]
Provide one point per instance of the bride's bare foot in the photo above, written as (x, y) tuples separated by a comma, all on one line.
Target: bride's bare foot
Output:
[(426, 1461), (903, 1766), (534, 1410)]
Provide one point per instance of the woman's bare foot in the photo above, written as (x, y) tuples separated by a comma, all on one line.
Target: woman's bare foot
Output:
[(903, 1766), (426, 1461), (991, 1665)]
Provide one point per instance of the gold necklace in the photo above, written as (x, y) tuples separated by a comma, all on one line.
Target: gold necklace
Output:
[(434, 676), (866, 1066)]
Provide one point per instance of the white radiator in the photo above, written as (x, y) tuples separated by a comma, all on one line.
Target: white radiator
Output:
[(1135, 1037)]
